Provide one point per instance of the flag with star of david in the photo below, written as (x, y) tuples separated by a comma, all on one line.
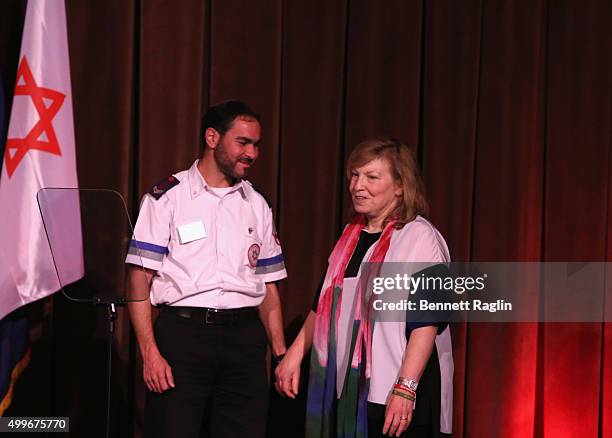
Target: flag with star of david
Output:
[(14, 354), (39, 152), (14, 350)]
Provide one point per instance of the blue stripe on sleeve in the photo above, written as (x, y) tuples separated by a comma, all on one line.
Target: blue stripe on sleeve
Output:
[(149, 247), (271, 261)]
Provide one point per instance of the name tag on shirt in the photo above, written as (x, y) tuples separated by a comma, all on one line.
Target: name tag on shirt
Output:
[(190, 232)]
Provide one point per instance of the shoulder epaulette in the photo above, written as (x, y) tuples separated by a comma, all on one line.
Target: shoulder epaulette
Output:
[(163, 186), (261, 192)]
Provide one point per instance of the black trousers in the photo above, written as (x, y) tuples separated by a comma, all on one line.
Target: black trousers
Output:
[(218, 370)]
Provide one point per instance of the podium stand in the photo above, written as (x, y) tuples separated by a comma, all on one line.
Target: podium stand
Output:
[(89, 231)]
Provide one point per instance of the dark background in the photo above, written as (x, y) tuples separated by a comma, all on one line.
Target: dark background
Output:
[(507, 102)]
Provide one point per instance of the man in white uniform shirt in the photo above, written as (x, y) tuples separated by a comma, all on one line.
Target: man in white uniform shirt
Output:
[(207, 241)]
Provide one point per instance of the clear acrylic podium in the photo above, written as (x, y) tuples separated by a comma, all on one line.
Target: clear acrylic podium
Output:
[(89, 232)]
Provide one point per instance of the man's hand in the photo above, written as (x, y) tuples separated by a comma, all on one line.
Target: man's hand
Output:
[(157, 372), (271, 316)]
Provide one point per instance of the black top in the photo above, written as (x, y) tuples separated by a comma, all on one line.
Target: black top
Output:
[(366, 240)]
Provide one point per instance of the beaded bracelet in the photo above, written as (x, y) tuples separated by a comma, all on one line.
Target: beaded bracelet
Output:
[(403, 395), (404, 388)]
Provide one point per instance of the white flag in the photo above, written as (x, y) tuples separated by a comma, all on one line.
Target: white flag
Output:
[(39, 153)]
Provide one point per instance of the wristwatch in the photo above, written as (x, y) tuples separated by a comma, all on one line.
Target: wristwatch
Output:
[(277, 359)]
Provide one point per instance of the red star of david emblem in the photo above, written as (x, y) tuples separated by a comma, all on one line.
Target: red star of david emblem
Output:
[(47, 103)]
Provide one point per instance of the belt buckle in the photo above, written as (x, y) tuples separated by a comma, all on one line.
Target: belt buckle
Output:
[(210, 316)]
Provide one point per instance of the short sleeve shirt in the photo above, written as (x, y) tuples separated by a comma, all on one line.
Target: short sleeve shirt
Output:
[(210, 247)]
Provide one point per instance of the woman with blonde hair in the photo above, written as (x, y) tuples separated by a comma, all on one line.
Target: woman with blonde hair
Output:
[(365, 375)]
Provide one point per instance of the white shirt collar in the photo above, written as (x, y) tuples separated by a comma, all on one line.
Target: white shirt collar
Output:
[(197, 184)]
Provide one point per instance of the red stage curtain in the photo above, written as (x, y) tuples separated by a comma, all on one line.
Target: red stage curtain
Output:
[(508, 104)]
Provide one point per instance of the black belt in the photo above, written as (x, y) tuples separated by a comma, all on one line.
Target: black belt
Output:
[(206, 315)]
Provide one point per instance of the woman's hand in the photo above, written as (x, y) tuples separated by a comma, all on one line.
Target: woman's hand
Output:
[(399, 409), (287, 374), (397, 415)]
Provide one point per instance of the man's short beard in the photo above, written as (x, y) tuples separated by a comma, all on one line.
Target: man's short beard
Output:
[(225, 164)]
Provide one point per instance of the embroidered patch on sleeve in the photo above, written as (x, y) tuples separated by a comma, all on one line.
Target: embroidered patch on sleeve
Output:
[(163, 186)]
